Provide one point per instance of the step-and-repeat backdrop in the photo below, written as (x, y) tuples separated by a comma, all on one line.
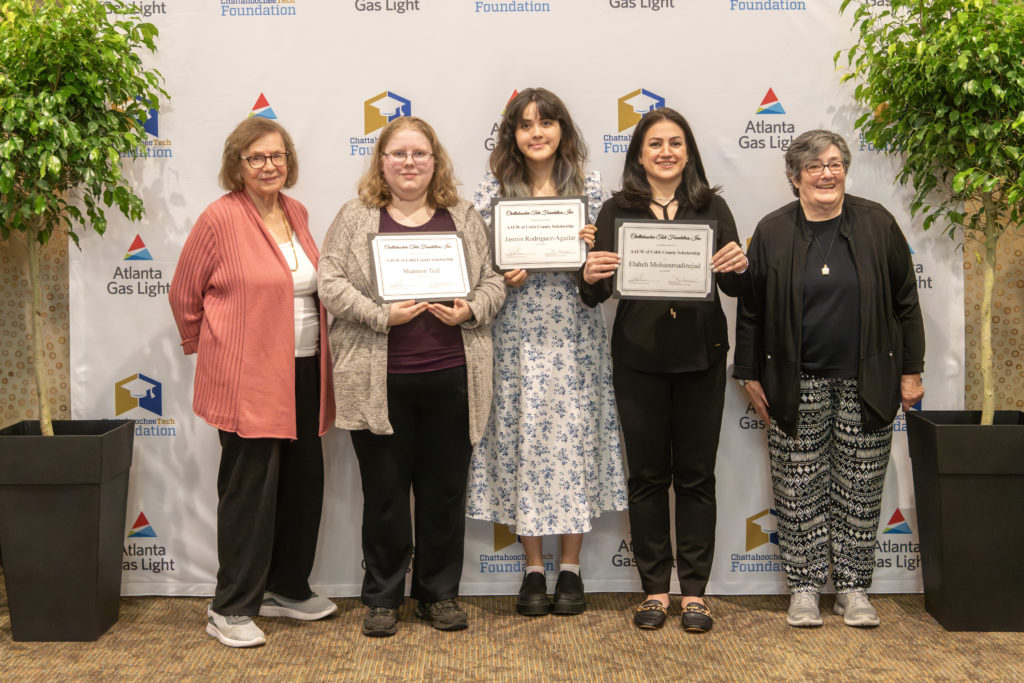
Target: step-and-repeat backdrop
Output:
[(749, 75)]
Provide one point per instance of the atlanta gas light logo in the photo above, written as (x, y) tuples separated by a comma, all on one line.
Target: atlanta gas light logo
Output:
[(491, 140), (257, 8), (138, 394), (630, 108), (765, 130), (761, 531), (895, 546), (396, 6), (143, 552), (134, 278), (378, 111)]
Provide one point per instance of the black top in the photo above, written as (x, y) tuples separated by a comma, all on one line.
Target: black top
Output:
[(423, 344), (830, 344), (667, 336)]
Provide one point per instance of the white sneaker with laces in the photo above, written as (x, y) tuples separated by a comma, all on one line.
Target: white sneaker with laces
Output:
[(856, 609), (312, 608), (803, 609), (234, 631)]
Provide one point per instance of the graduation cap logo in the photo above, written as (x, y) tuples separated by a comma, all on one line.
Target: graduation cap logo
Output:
[(381, 109), (635, 104), (138, 391)]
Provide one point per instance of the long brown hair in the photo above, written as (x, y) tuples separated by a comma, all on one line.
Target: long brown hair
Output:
[(441, 193), (507, 162)]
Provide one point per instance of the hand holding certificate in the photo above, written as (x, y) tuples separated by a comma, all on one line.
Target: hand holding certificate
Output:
[(425, 266), (665, 259), (539, 233)]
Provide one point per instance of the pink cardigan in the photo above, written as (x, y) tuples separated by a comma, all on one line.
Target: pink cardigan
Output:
[(232, 299)]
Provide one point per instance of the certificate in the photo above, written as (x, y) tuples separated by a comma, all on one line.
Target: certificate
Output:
[(425, 266), (665, 259), (539, 233)]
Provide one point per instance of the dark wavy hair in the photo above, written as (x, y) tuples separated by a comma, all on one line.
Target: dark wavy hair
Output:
[(694, 190), (507, 162)]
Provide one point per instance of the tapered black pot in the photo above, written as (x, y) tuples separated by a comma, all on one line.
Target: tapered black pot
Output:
[(62, 515), (969, 489)]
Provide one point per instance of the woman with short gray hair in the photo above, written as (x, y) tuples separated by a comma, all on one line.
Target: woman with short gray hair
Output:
[(828, 347)]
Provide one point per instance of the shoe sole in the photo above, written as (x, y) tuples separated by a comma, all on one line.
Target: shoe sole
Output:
[(380, 632), (650, 627), (569, 607), (533, 610), (289, 613), (858, 623), (696, 629), (442, 627), (215, 632), (804, 623)]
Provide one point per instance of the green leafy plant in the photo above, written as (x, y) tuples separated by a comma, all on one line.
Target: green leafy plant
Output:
[(73, 97), (943, 84)]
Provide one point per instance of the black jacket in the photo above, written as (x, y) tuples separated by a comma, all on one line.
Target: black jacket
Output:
[(768, 321), (668, 336)]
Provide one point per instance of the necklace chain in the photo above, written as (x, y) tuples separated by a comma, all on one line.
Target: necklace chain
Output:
[(824, 255)]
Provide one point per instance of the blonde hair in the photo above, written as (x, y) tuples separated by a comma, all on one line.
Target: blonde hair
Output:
[(374, 190)]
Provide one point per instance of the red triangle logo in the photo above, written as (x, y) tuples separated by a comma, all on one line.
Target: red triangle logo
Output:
[(897, 518), (769, 97), (141, 521), (260, 103), (137, 243)]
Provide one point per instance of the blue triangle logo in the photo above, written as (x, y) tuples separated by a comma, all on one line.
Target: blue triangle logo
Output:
[(142, 255)]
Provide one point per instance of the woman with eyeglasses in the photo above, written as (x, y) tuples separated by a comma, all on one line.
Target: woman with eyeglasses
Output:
[(244, 297), (550, 460), (669, 369), (829, 345), (413, 378)]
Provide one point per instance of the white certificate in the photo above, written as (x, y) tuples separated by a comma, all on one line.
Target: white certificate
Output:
[(539, 233), (665, 259), (425, 266)]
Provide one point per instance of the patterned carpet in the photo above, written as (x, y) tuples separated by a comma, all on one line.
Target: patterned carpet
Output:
[(164, 639)]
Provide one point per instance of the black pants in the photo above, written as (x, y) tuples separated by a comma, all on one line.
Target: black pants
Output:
[(268, 515), (429, 452), (671, 423)]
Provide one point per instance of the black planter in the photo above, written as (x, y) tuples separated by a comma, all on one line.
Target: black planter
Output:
[(969, 488), (62, 515)]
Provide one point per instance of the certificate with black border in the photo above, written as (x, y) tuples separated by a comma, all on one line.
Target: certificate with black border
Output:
[(539, 233), (425, 266), (665, 259)]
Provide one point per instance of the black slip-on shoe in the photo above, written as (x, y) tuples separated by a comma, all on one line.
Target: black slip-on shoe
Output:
[(569, 597), (533, 596)]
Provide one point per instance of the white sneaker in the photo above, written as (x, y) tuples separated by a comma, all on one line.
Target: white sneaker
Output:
[(855, 609), (803, 609), (234, 631), (312, 608)]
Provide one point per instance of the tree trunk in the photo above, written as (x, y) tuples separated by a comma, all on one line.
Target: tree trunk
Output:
[(36, 319), (988, 389)]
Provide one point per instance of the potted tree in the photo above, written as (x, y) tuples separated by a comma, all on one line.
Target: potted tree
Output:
[(73, 98), (943, 85)]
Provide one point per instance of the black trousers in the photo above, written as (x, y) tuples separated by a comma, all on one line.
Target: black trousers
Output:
[(270, 497), (429, 452), (671, 423)]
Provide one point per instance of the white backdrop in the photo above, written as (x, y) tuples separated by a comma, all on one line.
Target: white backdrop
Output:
[(748, 75)]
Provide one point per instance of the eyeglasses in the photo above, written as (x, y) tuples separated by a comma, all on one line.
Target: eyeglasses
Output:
[(260, 160), (816, 168), (419, 157)]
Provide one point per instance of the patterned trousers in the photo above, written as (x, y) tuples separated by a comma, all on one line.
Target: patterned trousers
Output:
[(828, 487)]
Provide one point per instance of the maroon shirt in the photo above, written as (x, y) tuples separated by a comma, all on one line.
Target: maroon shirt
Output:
[(423, 344)]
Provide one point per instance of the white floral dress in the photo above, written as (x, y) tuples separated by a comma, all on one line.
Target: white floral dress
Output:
[(550, 459)]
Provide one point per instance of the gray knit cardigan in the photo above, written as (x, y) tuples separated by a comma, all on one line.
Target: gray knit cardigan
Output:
[(359, 331)]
